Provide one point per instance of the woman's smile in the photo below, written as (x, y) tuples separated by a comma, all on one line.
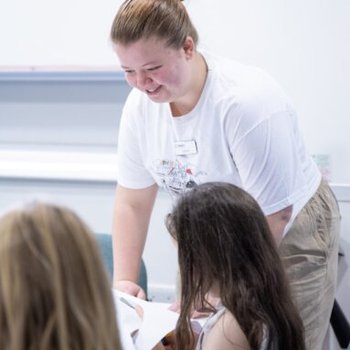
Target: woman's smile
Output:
[(153, 91)]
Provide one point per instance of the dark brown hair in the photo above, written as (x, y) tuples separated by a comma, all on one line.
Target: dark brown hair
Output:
[(163, 19), (223, 238)]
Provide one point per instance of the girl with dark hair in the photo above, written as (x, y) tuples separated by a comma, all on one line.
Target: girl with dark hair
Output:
[(226, 251)]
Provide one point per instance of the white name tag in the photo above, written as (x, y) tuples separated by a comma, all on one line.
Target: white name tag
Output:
[(183, 148)]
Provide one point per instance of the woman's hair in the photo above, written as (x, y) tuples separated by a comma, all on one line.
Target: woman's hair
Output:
[(54, 291), (143, 19), (224, 241)]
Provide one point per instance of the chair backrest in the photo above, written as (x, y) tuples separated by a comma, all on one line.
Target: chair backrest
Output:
[(341, 326), (104, 241), (339, 322)]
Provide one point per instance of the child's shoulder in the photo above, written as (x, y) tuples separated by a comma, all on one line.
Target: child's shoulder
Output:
[(226, 334)]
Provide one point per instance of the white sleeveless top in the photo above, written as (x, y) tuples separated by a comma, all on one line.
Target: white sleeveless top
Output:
[(209, 324)]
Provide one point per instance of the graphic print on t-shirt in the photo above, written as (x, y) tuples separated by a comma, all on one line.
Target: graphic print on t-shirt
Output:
[(175, 176)]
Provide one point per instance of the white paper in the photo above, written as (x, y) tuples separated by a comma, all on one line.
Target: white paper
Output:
[(157, 322), (127, 323)]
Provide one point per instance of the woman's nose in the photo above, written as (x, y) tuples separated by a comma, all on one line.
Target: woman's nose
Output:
[(142, 80)]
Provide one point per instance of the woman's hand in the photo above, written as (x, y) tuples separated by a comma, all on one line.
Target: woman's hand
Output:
[(131, 288), (168, 345), (176, 307), (197, 313)]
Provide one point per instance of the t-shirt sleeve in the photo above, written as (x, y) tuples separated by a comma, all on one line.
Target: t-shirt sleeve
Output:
[(267, 161), (131, 171)]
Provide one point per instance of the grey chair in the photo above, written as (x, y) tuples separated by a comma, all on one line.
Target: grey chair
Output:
[(104, 241)]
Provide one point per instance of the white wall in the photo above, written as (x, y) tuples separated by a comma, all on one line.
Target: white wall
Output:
[(303, 44), (56, 32)]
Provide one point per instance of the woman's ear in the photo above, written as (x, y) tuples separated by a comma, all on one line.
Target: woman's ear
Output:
[(189, 47)]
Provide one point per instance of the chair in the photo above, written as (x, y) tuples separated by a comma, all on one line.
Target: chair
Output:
[(339, 322), (104, 241), (341, 326)]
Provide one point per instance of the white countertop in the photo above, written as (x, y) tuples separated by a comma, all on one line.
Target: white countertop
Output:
[(58, 165)]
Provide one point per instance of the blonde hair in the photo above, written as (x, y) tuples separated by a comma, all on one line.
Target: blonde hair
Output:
[(54, 291), (163, 19)]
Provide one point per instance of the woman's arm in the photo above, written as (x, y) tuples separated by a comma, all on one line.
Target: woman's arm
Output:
[(132, 213), (278, 221)]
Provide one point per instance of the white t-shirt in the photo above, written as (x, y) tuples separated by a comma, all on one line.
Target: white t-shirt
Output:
[(243, 130)]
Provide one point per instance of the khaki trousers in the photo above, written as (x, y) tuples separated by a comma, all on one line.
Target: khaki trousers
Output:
[(309, 252)]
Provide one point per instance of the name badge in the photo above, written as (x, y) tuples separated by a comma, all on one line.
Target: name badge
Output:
[(184, 148)]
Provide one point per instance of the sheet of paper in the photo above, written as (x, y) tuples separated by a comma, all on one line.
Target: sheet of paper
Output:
[(127, 323), (157, 321)]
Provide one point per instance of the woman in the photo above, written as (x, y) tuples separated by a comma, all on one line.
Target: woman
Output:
[(54, 292), (193, 117), (226, 251)]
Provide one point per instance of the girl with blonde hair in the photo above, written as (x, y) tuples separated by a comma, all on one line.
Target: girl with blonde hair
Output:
[(54, 292)]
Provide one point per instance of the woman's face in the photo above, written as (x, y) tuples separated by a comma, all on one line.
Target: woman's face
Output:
[(161, 72)]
